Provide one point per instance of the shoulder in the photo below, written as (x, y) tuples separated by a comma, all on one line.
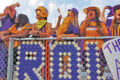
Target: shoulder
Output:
[(102, 23), (49, 24)]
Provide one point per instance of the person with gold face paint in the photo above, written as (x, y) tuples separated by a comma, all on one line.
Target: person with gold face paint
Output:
[(41, 28), (69, 26), (112, 24)]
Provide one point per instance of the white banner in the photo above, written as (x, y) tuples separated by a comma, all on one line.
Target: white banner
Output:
[(111, 51)]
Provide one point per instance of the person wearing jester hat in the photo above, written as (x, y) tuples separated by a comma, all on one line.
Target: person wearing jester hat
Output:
[(112, 24), (69, 26), (93, 27), (42, 29)]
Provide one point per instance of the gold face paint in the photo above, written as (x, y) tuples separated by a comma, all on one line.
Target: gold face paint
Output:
[(37, 12), (117, 14), (70, 14), (117, 11), (41, 12)]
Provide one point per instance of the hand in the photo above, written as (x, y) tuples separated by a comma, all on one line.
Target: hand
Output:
[(59, 37), (32, 32), (60, 17), (114, 26), (99, 30), (87, 20), (17, 4), (6, 38)]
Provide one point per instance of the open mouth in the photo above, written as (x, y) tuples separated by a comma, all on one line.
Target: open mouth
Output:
[(37, 15), (91, 14)]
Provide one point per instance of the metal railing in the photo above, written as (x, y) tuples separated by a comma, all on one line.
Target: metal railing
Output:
[(10, 69)]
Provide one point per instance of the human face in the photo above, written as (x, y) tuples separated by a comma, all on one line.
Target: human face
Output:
[(16, 20), (38, 11), (70, 14), (117, 13), (91, 14)]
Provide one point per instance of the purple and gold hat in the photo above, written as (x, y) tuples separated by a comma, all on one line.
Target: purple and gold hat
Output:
[(113, 10)]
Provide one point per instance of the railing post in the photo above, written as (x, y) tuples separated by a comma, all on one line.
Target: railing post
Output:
[(10, 60)]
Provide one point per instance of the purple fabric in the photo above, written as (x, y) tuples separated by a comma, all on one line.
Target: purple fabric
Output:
[(3, 60), (110, 13), (72, 29), (116, 7), (74, 10), (7, 22), (113, 9), (108, 24)]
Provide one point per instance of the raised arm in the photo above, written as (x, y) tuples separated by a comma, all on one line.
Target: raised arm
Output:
[(14, 5), (58, 22), (12, 10), (103, 18)]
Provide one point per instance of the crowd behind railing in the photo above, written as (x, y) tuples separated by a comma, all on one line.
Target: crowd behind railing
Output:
[(94, 25)]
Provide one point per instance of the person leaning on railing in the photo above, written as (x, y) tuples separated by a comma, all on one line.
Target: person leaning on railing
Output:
[(42, 29), (113, 25), (18, 30), (93, 27), (69, 26)]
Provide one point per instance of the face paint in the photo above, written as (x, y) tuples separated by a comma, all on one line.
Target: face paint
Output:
[(117, 13), (70, 14), (38, 11), (41, 12)]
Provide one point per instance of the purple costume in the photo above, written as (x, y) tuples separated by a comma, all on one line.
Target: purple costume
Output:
[(72, 30), (3, 60), (108, 24), (6, 22)]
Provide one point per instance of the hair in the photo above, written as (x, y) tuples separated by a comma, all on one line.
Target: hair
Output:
[(75, 21), (22, 20), (97, 18), (114, 21)]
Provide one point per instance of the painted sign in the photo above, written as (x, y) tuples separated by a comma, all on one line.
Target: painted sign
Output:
[(111, 51)]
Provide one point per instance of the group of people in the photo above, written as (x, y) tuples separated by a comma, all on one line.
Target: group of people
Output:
[(94, 25)]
